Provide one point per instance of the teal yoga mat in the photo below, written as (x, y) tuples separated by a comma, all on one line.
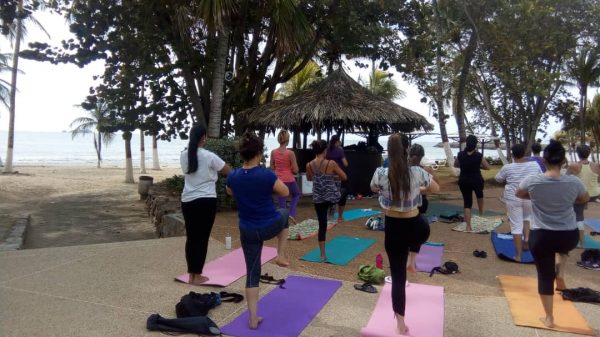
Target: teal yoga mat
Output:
[(441, 208), (340, 251), (590, 243), (353, 214)]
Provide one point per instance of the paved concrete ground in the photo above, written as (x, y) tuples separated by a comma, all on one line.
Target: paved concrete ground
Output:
[(110, 290)]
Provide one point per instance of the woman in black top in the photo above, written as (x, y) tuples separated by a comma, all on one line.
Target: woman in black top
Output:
[(470, 161)]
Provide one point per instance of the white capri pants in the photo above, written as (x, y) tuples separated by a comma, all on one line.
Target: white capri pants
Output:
[(518, 211)]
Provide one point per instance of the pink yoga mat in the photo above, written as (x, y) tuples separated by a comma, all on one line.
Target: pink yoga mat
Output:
[(424, 313), (228, 268)]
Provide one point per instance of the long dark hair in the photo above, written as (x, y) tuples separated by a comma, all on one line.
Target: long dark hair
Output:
[(196, 134), (471, 143), (398, 170), (332, 141), (318, 146)]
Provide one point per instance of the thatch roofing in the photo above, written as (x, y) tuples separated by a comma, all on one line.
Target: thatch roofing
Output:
[(335, 103)]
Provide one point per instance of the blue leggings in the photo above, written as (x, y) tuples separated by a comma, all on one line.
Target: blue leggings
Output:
[(252, 244)]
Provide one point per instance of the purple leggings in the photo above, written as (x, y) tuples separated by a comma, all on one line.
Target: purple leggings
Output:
[(295, 194)]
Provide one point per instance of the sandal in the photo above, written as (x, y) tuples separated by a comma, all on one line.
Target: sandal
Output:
[(366, 287), (268, 279), (482, 254)]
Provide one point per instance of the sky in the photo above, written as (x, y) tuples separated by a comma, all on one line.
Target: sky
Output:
[(48, 94)]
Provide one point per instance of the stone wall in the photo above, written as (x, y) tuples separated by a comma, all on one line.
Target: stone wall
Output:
[(164, 206)]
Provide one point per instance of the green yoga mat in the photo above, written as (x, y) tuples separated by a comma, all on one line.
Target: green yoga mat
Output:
[(590, 243), (440, 208), (340, 251)]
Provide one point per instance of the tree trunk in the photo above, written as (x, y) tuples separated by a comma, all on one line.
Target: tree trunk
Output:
[(155, 163), (218, 82), (582, 108), (8, 167), (460, 90), (439, 95), (98, 146), (142, 153), (128, 161)]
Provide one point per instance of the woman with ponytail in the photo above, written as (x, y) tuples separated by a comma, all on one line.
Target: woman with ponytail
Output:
[(199, 199), (470, 161), (283, 162), (400, 186)]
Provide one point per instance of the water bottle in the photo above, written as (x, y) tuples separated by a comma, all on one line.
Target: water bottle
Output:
[(227, 241), (379, 261)]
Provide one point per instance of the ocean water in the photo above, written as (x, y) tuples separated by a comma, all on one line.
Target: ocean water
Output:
[(59, 149)]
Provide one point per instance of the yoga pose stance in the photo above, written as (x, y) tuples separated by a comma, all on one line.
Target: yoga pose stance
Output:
[(470, 161), (252, 186), (588, 173), (415, 155), (323, 173), (283, 162), (553, 229), (199, 200), (335, 152), (400, 186), (518, 210)]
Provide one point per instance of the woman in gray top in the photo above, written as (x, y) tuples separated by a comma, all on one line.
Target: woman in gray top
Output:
[(553, 227)]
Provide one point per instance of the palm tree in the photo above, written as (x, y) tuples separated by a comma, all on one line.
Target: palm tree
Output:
[(4, 85), (311, 73), (593, 117), (381, 84), (17, 32), (584, 68), (97, 120)]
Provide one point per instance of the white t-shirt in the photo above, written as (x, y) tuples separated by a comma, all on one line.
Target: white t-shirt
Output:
[(201, 184), (418, 178), (513, 174)]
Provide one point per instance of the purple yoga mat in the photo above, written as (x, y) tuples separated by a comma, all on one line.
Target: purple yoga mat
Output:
[(429, 257), (286, 312)]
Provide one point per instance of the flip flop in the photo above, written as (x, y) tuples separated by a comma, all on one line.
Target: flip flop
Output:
[(366, 287), (268, 279), (482, 254)]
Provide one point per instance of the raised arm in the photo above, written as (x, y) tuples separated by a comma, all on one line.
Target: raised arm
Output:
[(225, 170)]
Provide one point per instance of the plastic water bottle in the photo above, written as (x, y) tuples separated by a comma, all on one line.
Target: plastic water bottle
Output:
[(379, 261), (227, 241)]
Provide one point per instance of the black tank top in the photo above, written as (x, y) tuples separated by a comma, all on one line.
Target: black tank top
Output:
[(470, 166)]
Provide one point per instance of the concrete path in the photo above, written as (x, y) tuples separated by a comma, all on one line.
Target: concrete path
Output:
[(110, 290)]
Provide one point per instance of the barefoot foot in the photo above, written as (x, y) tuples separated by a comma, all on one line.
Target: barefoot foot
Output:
[(197, 279), (401, 327), (254, 323), (411, 268), (340, 220), (282, 262), (517, 259), (548, 321), (560, 283)]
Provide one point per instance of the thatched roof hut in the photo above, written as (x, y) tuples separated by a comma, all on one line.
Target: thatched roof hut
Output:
[(337, 103)]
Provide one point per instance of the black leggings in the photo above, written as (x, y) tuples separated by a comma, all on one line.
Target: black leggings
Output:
[(400, 235), (199, 216), (467, 189), (544, 244), (322, 209)]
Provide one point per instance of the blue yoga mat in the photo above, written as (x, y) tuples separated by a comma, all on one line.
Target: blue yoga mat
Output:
[(341, 250), (358, 213), (505, 248), (590, 243), (593, 224), (286, 312)]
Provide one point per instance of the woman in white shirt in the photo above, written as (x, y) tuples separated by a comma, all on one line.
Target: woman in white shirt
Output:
[(400, 186), (199, 200)]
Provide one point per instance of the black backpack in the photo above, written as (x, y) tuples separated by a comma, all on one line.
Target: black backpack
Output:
[(591, 256), (581, 295), (194, 304), (449, 267), (198, 325)]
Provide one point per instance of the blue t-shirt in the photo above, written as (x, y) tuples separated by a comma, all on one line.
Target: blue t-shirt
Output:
[(253, 192)]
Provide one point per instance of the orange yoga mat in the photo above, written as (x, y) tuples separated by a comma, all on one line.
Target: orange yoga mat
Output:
[(526, 307)]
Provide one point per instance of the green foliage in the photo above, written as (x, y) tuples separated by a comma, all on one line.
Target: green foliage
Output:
[(175, 183), (226, 149)]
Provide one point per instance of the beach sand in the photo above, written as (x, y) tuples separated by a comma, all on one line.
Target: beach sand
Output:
[(79, 206)]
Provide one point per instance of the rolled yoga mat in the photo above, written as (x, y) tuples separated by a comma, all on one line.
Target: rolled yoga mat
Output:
[(593, 224), (228, 268), (505, 248), (430, 256), (353, 214), (286, 312), (590, 243), (424, 313), (526, 307), (341, 250)]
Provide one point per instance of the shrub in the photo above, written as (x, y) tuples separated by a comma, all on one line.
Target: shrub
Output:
[(226, 149), (175, 183)]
